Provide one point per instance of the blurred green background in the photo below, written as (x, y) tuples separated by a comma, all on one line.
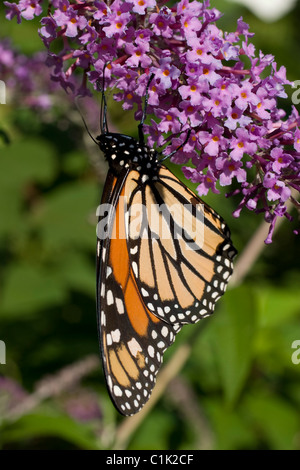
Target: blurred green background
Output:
[(239, 388)]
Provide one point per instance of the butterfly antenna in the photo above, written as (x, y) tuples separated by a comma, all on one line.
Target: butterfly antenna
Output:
[(103, 115), (84, 121), (141, 124), (178, 148), (103, 108)]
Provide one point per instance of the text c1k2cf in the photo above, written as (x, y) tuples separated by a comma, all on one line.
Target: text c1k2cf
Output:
[(154, 459)]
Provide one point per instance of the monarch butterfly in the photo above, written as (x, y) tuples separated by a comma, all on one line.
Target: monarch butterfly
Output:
[(149, 286)]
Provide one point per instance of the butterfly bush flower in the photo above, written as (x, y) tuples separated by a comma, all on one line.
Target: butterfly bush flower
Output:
[(202, 96), (28, 85), (11, 394), (26, 78)]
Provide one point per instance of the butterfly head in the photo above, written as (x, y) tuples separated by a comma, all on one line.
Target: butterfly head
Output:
[(122, 151)]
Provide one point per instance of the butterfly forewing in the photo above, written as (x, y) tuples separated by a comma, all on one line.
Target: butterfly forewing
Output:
[(133, 340)]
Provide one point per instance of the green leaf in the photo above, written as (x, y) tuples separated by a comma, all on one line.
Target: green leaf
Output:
[(233, 331), (42, 425), (21, 163), (28, 160), (276, 306), (74, 163), (29, 288), (275, 419), (273, 348), (231, 430), (153, 432), (77, 272), (67, 216)]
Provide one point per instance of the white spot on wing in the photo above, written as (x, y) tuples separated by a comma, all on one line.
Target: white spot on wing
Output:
[(160, 311), (134, 347), (109, 382), (116, 335), (109, 297), (102, 289), (120, 306), (117, 391), (135, 268), (108, 339), (134, 250), (108, 271), (164, 331)]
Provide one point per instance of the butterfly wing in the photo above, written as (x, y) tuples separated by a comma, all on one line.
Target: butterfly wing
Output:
[(181, 251), (132, 339)]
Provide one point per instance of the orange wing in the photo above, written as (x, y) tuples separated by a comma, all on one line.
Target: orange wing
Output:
[(133, 340), (182, 254)]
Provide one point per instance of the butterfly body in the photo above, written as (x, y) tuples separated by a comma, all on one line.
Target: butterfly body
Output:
[(154, 272)]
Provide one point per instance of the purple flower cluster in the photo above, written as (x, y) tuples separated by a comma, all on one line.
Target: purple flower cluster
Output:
[(26, 79), (28, 85), (11, 394), (201, 84), (81, 404)]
